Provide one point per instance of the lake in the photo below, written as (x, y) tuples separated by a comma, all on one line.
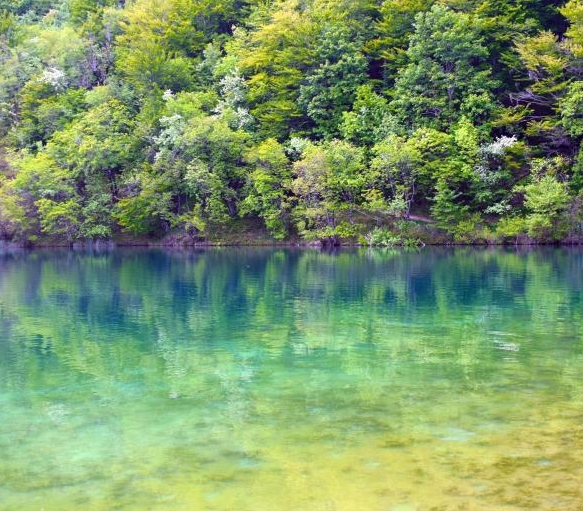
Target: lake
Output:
[(264, 379)]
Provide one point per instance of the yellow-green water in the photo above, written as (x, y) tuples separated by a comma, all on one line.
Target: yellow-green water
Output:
[(291, 380)]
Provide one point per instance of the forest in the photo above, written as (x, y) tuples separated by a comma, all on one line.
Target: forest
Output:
[(380, 122)]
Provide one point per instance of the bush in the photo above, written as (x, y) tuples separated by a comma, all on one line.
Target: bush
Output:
[(511, 227), (381, 237)]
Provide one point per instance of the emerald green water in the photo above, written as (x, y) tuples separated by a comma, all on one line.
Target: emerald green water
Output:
[(291, 380)]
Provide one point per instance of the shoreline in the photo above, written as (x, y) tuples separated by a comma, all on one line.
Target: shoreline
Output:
[(113, 244)]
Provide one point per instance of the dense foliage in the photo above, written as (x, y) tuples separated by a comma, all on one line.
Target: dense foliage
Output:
[(327, 120)]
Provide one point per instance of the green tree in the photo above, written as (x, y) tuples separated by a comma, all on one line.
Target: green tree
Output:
[(98, 145), (447, 209), (369, 120), (447, 65), (397, 167), (198, 158), (60, 217), (392, 31), (97, 148), (329, 88), (571, 106), (573, 11), (44, 110), (40, 198), (501, 164), (545, 63), (328, 182), (145, 204), (269, 187), (275, 57), (545, 199), (160, 39)]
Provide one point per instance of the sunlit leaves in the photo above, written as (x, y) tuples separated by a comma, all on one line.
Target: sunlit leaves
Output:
[(545, 199), (545, 62), (275, 57), (573, 11), (160, 39), (40, 192), (101, 141)]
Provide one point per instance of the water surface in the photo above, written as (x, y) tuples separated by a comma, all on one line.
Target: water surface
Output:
[(242, 379)]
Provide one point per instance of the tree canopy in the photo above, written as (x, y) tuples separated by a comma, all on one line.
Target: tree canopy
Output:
[(317, 119)]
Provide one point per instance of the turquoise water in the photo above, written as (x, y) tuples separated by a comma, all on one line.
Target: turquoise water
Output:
[(241, 379)]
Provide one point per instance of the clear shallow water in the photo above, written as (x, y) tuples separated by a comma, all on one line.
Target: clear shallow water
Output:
[(291, 380)]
